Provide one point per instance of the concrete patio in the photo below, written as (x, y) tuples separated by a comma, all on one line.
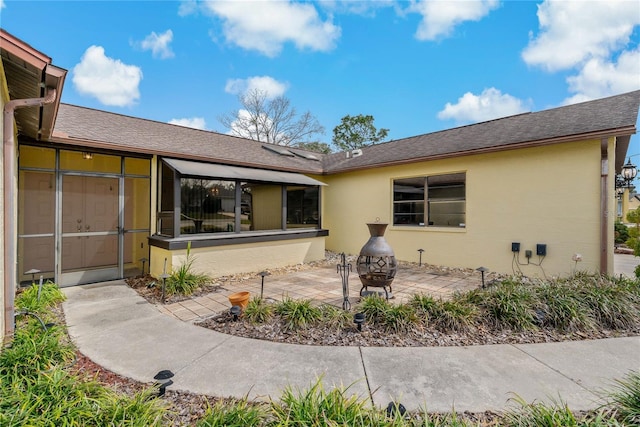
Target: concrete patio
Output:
[(321, 285)]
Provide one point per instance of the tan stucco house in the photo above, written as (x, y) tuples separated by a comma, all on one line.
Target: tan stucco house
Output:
[(90, 195)]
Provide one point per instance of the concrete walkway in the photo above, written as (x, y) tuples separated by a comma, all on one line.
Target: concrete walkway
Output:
[(111, 324)]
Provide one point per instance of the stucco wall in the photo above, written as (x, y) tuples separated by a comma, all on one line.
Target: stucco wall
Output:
[(246, 258), (548, 195)]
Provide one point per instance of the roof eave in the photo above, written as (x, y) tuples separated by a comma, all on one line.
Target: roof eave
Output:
[(100, 145), (625, 131)]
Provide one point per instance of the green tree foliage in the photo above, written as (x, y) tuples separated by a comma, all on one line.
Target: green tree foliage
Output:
[(317, 147), (634, 232), (621, 232), (356, 132), (271, 120)]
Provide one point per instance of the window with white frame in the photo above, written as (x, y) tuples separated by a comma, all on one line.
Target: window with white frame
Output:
[(435, 200)]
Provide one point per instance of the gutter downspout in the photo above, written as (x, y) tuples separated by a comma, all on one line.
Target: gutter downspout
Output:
[(9, 182)]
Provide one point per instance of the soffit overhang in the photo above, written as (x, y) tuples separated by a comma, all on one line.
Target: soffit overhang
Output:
[(30, 74)]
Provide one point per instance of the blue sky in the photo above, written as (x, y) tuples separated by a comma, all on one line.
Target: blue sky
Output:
[(417, 67)]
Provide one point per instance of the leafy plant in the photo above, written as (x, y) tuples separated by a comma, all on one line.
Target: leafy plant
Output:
[(625, 399), (612, 305), (318, 407), (374, 308), (183, 280), (399, 318), (334, 317), (621, 232), (297, 314), (562, 308), (236, 414), (510, 305), (36, 299), (258, 310), (453, 315), (34, 350)]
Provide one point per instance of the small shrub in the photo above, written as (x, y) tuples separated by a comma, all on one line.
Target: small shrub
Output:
[(423, 304), (612, 305), (318, 407), (237, 414), (335, 318), (453, 315), (34, 350), (258, 310), (297, 314), (399, 318), (374, 308), (183, 280), (50, 295), (563, 309), (624, 400), (511, 305)]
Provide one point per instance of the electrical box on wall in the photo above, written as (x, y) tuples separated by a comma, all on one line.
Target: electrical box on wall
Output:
[(515, 247), (541, 249)]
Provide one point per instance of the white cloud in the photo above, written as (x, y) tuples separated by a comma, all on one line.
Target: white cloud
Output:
[(266, 26), (572, 32), (490, 104), (158, 44), (599, 78), (268, 85), (439, 17), (107, 79), (187, 7), (193, 122)]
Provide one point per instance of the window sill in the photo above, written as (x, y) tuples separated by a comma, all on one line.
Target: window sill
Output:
[(430, 228), (210, 240)]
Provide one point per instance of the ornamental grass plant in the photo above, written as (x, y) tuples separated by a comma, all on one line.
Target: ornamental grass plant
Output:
[(297, 314), (184, 280)]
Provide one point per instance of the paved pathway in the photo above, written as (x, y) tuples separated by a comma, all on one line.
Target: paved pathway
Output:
[(322, 285), (116, 328)]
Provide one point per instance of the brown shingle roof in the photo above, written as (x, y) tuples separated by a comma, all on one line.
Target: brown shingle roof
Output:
[(615, 115), (101, 129), (612, 116)]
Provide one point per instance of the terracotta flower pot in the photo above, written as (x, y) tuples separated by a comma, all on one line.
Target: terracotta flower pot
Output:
[(240, 298)]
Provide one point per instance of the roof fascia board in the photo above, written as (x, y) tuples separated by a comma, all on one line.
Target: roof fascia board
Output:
[(23, 51), (57, 138)]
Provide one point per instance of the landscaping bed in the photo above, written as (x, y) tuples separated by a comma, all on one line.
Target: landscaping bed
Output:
[(512, 311)]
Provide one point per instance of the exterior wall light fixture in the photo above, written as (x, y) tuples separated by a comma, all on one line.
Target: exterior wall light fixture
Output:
[(629, 172), (87, 155)]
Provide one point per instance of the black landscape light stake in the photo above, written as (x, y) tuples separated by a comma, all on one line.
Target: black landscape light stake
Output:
[(358, 319), (144, 260), (164, 278), (344, 269), (482, 270), (394, 409), (163, 380), (235, 312), (420, 250), (33, 273), (262, 275)]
